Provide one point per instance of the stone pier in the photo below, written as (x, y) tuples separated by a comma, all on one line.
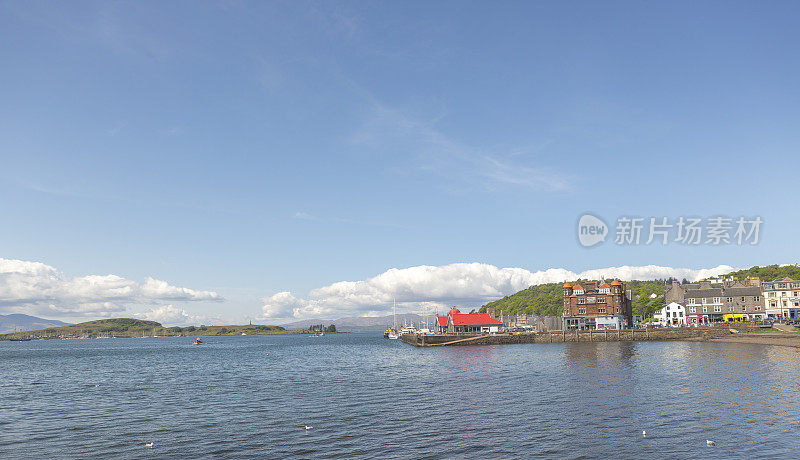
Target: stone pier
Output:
[(623, 335)]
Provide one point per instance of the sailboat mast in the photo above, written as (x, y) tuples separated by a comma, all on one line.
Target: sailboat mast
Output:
[(394, 310)]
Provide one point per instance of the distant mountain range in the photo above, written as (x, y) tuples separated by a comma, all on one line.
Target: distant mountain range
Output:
[(362, 323), (21, 322)]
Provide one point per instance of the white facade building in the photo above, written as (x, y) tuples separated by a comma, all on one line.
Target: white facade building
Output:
[(673, 314), (608, 322), (782, 298)]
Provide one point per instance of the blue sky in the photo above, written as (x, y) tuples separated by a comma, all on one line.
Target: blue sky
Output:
[(251, 148)]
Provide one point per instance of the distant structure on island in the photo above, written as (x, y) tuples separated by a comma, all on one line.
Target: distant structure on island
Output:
[(597, 305)]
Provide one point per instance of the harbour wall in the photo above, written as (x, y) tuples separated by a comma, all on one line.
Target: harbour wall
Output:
[(624, 335)]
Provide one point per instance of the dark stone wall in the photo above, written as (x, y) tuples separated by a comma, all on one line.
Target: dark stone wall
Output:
[(625, 335)]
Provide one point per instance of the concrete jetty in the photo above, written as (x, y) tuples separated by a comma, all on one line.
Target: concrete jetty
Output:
[(622, 335)]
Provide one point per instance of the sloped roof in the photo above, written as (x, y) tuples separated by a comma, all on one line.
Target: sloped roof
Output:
[(605, 285), (743, 291), (616, 283), (474, 319), (578, 286), (442, 320), (713, 292)]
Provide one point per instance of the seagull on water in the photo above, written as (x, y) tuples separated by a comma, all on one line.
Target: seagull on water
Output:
[(149, 445), (710, 443), (309, 427), (644, 434)]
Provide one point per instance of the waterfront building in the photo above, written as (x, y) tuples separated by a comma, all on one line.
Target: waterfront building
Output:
[(608, 322), (782, 298), (718, 300), (467, 323), (673, 314), (590, 300)]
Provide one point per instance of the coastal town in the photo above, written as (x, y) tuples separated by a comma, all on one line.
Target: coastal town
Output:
[(606, 305)]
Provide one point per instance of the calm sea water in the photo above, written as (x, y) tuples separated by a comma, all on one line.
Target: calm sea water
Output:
[(365, 396)]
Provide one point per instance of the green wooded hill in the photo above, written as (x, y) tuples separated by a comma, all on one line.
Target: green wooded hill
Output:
[(129, 327), (768, 272), (546, 299)]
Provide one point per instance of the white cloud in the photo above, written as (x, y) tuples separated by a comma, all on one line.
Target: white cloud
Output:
[(169, 315), (438, 286), (34, 287)]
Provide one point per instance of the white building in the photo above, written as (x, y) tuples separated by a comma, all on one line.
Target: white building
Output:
[(782, 298), (673, 314), (608, 322)]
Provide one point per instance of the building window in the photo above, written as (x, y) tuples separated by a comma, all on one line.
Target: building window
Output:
[(680, 313), (601, 300), (566, 312), (717, 309), (730, 299), (757, 308), (716, 299), (581, 311), (730, 309), (742, 299), (581, 301), (601, 310), (772, 294), (690, 301), (757, 298), (692, 309), (578, 292), (772, 304), (704, 300), (705, 309)]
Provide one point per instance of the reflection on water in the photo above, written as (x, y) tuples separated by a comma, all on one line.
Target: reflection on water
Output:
[(369, 397)]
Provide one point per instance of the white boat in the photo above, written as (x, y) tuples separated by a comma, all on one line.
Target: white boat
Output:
[(392, 333)]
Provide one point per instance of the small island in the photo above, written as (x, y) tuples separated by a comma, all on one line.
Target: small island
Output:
[(130, 327)]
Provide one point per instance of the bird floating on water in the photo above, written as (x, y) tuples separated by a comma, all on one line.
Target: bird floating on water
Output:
[(309, 427), (710, 443), (644, 434), (149, 445)]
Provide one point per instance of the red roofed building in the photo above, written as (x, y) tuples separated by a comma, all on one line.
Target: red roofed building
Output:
[(466, 323), (596, 304)]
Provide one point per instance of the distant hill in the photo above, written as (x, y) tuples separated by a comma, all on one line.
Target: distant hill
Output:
[(21, 322), (361, 323), (129, 327)]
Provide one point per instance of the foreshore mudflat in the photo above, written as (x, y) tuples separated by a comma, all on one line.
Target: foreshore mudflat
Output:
[(786, 339)]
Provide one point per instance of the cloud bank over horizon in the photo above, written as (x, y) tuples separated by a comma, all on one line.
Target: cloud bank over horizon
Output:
[(170, 315), (37, 288), (437, 287)]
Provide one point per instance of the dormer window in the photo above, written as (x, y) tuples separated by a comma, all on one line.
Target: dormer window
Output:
[(578, 291)]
